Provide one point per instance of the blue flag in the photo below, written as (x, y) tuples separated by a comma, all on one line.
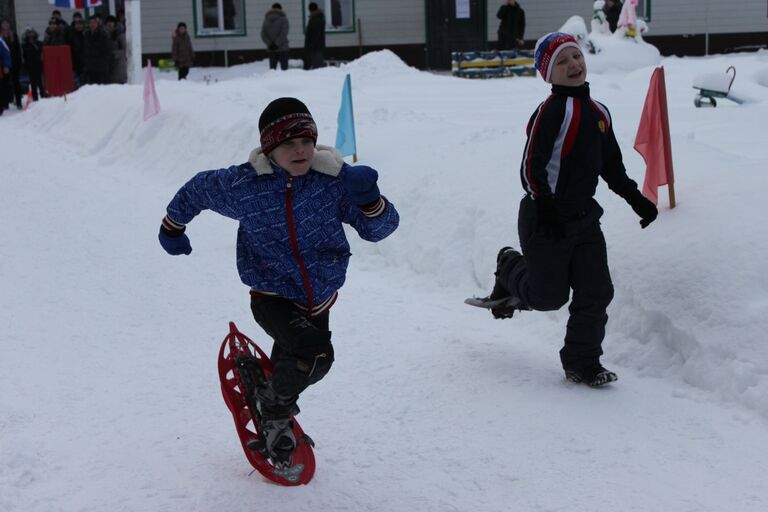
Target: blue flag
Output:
[(345, 132)]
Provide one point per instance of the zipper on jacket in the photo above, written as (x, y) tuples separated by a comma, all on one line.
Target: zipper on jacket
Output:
[(295, 245)]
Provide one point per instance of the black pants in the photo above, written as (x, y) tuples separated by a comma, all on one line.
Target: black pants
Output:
[(550, 269), (183, 72), (36, 83), (275, 57), (302, 352)]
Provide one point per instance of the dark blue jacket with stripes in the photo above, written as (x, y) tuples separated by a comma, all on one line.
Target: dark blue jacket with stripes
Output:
[(291, 241), (570, 144)]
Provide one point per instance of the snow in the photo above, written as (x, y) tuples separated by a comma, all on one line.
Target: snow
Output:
[(110, 397)]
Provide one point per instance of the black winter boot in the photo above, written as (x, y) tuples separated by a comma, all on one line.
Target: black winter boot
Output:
[(593, 376)]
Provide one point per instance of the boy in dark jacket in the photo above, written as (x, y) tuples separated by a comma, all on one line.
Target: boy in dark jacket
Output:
[(291, 199), (570, 144)]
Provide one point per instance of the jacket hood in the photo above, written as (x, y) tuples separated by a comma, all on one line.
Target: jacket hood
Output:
[(327, 160)]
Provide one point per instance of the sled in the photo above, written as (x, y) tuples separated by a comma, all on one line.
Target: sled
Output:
[(492, 64), (237, 353), (715, 85)]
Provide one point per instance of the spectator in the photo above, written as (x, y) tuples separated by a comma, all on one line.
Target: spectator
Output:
[(612, 10), (54, 34), (181, 48), (11, 39), (121, 19), (5, 69), (77, 47), (118, 71), (32, 51), (314, 39), (274, 33), (512, 26), (98, 53)]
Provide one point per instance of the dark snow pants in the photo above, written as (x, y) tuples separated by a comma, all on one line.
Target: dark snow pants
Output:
[(550, 269), (301, 353)]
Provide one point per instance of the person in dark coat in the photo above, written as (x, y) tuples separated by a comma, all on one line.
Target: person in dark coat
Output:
[(291, 200), (32, 52), (314, 38), (181, 49), (98, 53), (274, 33), (118, 73), (55, 34), (571, 143), (77, 48), (612, 10), (511, 31), (11, 39), (5, 69)]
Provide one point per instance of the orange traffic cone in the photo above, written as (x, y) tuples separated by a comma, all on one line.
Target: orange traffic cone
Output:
[(29, 100)]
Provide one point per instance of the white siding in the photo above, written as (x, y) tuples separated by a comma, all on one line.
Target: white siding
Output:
[(714, 16)]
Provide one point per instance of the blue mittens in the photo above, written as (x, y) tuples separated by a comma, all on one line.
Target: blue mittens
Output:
[(360, 183)]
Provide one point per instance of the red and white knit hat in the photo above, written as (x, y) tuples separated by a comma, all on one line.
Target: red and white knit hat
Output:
[(283, 119), (547, 49)]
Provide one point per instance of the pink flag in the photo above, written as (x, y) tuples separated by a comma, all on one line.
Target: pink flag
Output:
[(652, 139), (151, 103)]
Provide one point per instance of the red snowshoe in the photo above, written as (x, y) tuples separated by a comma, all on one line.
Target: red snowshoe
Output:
[(241, 364)]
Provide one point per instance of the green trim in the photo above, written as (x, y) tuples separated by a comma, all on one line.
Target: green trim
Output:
[(332, 31), (647, 10), (229, 33)]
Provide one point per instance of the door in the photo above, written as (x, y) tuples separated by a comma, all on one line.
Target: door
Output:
[(454, 26)]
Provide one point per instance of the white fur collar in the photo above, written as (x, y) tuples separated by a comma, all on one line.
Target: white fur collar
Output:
[(327, 160)]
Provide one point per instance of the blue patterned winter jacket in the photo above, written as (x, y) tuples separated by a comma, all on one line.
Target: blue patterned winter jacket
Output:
[(290, 241)]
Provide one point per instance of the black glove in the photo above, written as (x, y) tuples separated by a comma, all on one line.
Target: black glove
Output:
[(272, 47), (643, 207), (549, 222)]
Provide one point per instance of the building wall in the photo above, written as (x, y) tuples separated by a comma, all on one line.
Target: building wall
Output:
[(677, 26)]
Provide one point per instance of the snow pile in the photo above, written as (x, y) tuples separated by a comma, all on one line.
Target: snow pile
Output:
[(621, 51)]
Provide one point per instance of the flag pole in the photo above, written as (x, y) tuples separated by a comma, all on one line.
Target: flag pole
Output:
[(671, 187)]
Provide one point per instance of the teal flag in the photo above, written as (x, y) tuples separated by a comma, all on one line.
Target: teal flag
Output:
[(345, 132)]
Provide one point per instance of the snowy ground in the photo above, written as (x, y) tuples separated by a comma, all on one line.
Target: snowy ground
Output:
[(109, 397)]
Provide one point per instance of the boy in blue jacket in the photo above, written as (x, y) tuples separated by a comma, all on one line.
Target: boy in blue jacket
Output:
[(290, 198), (570, 145)]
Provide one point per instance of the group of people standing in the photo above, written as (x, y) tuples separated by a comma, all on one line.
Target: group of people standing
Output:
[(98, 54), (274, 34)]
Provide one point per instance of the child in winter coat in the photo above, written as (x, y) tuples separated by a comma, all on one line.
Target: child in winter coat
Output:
[(291, 199), (181, 49), (570, 144)]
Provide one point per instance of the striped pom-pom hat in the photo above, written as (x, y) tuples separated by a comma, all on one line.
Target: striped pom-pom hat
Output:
[(547, 49)]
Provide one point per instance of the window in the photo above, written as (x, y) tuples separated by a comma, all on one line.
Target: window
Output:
[(644, 10), (339, 14), (219, 18)]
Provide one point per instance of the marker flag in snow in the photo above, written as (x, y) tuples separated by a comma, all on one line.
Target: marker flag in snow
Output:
[(75, 4), (653, 141), (151, 103), (346, 142)]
